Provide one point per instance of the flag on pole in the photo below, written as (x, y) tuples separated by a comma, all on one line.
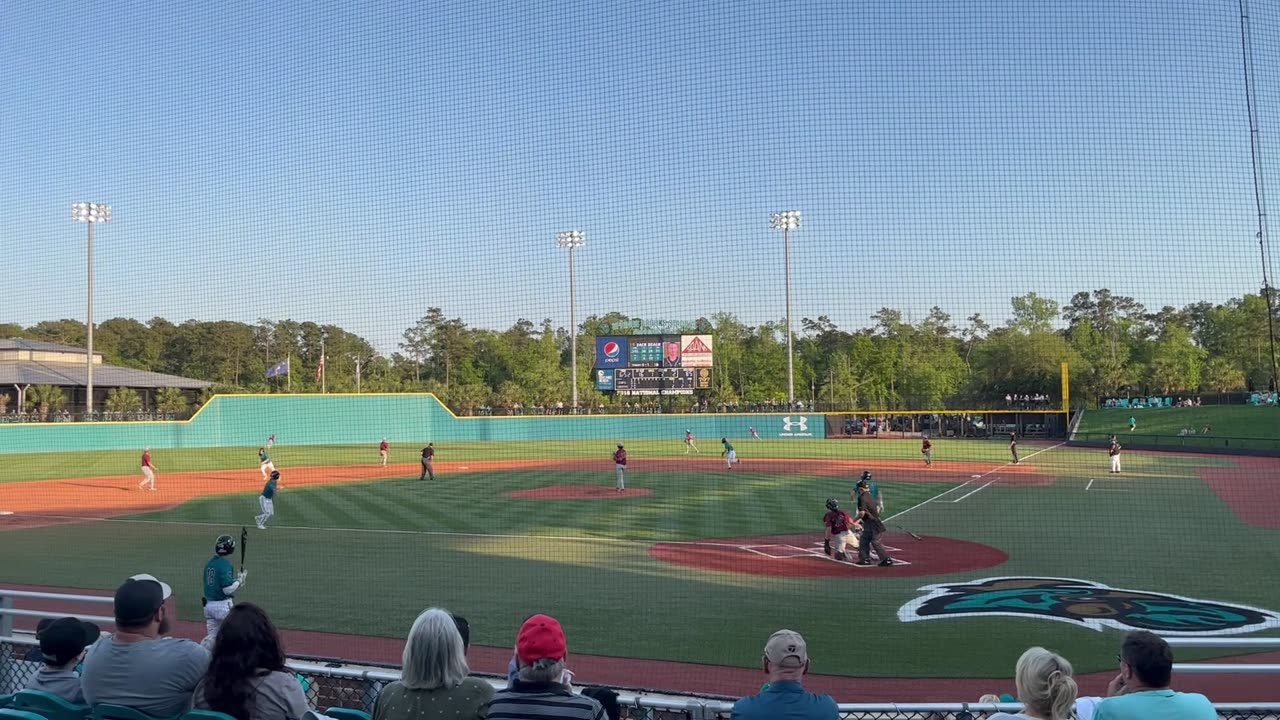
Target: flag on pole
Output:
[(280, 368)]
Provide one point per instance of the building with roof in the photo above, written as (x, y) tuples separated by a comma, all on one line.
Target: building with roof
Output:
[(26, 363)]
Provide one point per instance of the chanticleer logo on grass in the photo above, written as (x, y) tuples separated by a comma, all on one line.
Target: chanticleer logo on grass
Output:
[(1087, 604), (795, 426)]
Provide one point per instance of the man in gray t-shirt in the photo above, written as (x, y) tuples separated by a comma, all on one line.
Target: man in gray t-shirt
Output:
[(137, 666)]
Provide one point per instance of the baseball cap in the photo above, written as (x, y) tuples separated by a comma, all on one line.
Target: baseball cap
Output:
[(541, 637), (787, 649), (139, 598), (63, 639)]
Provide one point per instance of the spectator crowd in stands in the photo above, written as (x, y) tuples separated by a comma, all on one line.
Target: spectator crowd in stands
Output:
[(1027, 401), (245, 674)]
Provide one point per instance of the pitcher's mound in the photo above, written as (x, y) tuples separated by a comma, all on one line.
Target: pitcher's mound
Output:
[(578, 492)]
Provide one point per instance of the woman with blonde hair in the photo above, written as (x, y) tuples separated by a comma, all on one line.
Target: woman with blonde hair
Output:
[(434, 682), (1046, 687)]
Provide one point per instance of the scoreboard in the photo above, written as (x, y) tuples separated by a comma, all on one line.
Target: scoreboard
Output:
[(655, 381)]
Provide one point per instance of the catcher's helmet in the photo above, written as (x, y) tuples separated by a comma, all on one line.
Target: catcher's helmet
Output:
[(275, 474), (833, 504), (866, 476), (224, 545)]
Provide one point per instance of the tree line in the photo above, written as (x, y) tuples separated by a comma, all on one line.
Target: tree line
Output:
[(1113, 344)]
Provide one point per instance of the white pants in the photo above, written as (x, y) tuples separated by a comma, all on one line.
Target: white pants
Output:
[(846, 539), (268, 509), (214, 613), (1115, 463), (622, 477), (733, 457), (383, 453), (148, 476), (266, 467)]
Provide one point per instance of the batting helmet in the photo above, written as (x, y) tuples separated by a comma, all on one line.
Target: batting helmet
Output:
[(866, 476), (275, 474), (224, 545), (833, 504)]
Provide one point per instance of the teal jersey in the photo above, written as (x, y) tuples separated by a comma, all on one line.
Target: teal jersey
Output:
[(269, 490), (262, 456), (218, 574), (728, 447)]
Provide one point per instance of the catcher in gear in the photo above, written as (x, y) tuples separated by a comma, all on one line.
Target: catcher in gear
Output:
[(220, 584), (840, 531)]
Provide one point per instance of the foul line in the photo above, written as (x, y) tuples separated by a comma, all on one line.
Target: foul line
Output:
[(967, 482)]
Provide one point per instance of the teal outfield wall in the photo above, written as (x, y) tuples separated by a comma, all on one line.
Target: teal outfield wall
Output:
[(247, 420)]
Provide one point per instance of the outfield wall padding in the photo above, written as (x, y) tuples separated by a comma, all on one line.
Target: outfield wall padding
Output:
[(247, 420)]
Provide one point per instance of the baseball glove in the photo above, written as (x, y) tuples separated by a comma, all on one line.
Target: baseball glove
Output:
[(826, 546)]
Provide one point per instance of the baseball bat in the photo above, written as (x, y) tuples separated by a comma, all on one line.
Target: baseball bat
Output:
[(917, 537), (244, 544)]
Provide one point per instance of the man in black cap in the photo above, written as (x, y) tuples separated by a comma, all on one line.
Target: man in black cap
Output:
[(138, 666), (872, 526), (62, 643)]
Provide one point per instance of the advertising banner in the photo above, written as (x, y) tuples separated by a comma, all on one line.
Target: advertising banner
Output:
[(611, 352), (696, 350), (604, 380)]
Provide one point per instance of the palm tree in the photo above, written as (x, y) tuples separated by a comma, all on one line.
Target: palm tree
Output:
[(171, 400), (123, 400), (44, 398)]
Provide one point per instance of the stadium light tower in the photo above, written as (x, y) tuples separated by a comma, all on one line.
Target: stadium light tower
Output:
[(90, 214), (571, 241), (787, 221)]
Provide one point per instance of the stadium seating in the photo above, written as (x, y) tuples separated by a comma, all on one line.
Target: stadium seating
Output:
[(49, 706), (206, 715), (338, 713), (6, 701), (11, 714), (106, 711)]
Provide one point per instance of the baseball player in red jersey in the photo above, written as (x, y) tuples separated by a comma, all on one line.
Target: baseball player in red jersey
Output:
[(688, 443), (840, 529), (620, 462), (926, 449), (382, 451), (148, 470)]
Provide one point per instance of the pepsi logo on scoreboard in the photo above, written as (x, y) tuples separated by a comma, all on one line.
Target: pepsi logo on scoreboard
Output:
[(611, 352)]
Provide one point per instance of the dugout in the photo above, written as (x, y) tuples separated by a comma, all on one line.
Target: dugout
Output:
[(967, 424)]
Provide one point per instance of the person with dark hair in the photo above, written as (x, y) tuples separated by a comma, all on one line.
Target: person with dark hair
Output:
[(138, 666), (1141, 689), (464, 629), (608, 700), (62, 645), (247, 678), (34, 655)]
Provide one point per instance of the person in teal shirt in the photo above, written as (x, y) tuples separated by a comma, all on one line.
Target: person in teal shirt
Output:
[(1142, 691), (220, 583), (730, 456), (267, 500)]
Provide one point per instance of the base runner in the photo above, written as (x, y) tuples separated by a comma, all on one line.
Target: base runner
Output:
[(382, 451), (265, 463), (266, 500), (620, 463), (688, 442), (220, 584), (148, 470), (840, 539)]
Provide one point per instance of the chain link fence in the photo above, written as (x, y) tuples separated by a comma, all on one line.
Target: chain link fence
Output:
[(332, 685)]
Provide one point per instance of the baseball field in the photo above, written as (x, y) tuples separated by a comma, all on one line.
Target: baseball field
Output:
[(696, 562)]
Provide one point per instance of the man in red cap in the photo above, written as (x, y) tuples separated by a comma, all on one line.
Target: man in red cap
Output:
[(540, 688)]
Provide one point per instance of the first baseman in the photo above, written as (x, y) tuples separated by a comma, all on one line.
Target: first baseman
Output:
[(220, 583), (265, 462), (620, 462), (266, 501), (730, 455), (148, 470)]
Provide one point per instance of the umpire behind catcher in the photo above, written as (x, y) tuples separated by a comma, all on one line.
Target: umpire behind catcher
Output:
[(872, 527)]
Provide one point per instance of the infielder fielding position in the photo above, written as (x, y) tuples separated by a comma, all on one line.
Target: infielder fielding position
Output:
[(266, 500), (148, 470), (220, 584), (620, 463), (730, 455)]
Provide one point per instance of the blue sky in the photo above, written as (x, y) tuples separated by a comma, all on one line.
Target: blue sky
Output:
[(359, 162)]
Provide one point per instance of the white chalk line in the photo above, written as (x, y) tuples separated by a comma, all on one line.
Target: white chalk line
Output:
[(1086, 487), (967, 482)]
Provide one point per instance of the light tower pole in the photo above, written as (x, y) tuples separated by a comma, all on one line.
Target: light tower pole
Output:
[(787, 221), (90, 214), (572, 240)]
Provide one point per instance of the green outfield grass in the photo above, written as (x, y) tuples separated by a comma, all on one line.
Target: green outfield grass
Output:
[(1225, 421), (367, 557)]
